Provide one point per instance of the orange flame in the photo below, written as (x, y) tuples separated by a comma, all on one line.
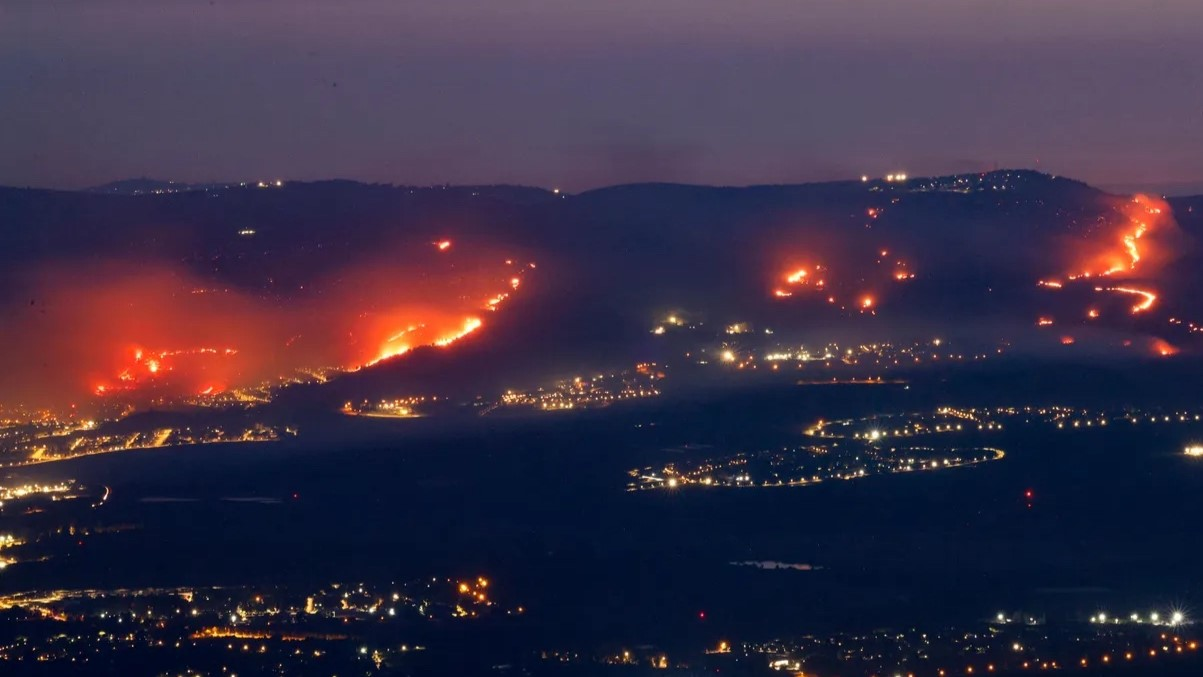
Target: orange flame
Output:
[(1143, 213), (1148, 298), (798, 277), (1163, 348), (133, 331), (153, 364)]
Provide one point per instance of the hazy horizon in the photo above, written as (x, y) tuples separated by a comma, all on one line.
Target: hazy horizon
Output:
[(1171, 189), (577, 96)]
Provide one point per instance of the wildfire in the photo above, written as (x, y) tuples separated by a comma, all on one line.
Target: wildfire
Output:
[(1131, 249), (799, 277), (389, 351), (1142, 213), (1130, 244), (129, 332), (470, 325), (1163, 348), (1148, 298), (418, 335), (394, 346), (427, 333), (443, 245), (148, 365)]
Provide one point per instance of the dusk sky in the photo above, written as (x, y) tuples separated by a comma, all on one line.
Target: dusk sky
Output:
[(582, 94)]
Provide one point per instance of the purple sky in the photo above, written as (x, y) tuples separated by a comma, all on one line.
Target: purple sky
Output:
[(581, 93)]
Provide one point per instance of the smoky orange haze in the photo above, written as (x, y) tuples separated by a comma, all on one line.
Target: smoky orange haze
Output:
[(1147, 240), (83, 333)]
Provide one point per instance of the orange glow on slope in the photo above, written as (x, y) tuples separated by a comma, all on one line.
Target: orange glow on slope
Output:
[(795, 275), (148, 366), (1148, 298), (1163, 348), (799, 276), (470, 325), (133, 331), (433, 325), (1130, 246), (443, 245), (394, 346), (802, 275), (439, 330), (397, 344), (1148, 238), (1067, 340), (1044, 322)]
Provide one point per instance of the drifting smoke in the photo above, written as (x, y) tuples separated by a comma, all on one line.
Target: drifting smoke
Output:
[(1130, 257), (84, 335), (1144, 241)]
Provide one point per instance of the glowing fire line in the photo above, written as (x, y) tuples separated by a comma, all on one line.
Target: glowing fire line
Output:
[(152, 364), (1148, 297), (391, 348)]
